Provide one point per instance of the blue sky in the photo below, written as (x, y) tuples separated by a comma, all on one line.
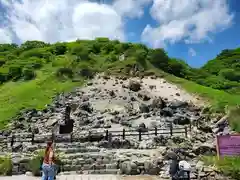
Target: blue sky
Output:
[(192, 30)]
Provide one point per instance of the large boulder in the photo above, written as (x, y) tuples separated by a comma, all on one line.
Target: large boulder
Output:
[(153, 167), (86, 106), (134, 86), (181, 120), (129, 168), (144, 108), (158, 103)]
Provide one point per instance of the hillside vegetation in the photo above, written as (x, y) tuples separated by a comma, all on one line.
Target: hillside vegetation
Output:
[(32, 73)]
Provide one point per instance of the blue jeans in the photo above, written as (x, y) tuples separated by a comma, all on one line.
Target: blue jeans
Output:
[(48, 172)]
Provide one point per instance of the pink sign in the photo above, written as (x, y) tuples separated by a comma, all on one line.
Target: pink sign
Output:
[(228, 145)]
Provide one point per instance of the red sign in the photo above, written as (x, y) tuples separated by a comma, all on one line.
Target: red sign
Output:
[(228, 145)]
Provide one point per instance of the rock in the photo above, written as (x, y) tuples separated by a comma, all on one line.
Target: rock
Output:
[(144, 108), (29, 173), (134, 86), (143, 96), (86, 106), (152, 87), (160, 140), (142, 127), (158, 103), (112, 93), (205, 128), (153, 167), (177, 94), (222, 122), (178, 104), (204, 149), (17, 147), (167, 111), (181, 120), (129, 168)]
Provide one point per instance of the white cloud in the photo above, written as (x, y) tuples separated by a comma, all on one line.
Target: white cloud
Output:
[(192, 52), (5, 36), (188, 20), (130, 8), (61, 20)]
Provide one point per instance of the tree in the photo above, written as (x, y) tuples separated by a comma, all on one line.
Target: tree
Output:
[(82, 53), (60, 48), (230, 74), (158, 58)]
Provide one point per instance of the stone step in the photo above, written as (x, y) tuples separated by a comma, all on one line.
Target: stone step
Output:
[(93, 155), (61, 146), (86, 167), (69, 150), (104, 171)]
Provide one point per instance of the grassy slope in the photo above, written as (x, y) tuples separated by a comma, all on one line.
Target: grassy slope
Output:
[(15, 96)]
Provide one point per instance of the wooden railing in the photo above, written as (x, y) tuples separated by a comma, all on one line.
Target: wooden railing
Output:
[(92, 136)]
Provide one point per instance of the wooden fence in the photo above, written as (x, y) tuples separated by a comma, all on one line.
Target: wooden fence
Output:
[(92, 136)]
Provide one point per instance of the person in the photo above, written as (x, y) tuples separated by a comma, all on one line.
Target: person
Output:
[(184, 170), (174, 168), (48, 166)]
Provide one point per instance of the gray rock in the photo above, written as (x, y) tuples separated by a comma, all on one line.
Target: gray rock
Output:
[(134, 86)]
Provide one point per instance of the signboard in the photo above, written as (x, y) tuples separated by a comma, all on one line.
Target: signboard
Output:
[(228, 145)]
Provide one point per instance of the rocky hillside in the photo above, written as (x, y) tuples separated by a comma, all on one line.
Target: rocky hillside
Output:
[(114, 103)]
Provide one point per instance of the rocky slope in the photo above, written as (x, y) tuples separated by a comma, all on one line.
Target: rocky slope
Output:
[(115, 103)]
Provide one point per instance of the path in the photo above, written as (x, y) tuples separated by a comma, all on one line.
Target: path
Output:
[(85, 177)]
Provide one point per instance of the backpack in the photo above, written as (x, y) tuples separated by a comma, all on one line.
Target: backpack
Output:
[(184, 165)]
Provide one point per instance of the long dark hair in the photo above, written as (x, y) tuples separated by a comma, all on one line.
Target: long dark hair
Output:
[(49, 145)]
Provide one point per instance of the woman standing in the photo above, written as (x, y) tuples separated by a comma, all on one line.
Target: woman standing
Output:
[(48, 170)]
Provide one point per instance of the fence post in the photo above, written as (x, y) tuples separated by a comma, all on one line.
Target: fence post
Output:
[(53, 138), (140, 134), (155, 131), (185, 131), (32, 138), (123, 134), (71, 137), (106, 136), (171, 129), (190, 126), (12, 140)]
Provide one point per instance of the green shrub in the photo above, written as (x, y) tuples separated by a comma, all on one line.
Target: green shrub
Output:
[(228, 166), (64, 71), (5, 166), (28, 74), (234, 118), (37, 160)]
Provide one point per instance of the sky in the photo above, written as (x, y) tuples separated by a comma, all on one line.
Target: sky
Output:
[(192, 30)]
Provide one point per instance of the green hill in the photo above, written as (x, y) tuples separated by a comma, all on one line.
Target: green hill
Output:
[(33, 73)]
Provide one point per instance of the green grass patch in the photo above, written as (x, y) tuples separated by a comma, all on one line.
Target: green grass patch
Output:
[(229, 166), (15, 96), (5, 165)]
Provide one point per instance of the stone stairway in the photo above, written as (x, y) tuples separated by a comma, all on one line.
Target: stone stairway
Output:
[(85, 157)]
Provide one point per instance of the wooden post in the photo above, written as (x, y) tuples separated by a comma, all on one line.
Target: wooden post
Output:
[(123, 134), (32, 138), (190, 126), (67, 113), (106, 136), (71, 137), (12, 140), (155, 131), (186, 131), (171, 129), (53, 138), (140, 134)]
